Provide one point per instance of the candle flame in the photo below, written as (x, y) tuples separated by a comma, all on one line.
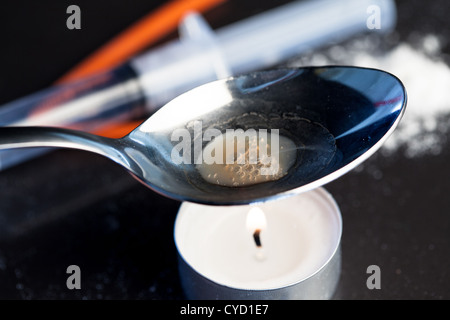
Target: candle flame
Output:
[(256, 219), (256, 222)]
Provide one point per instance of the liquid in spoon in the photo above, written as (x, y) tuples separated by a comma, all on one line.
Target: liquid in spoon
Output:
[(262, 158)]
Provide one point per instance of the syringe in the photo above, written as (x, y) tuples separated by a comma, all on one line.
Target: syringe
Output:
[(151, 79)]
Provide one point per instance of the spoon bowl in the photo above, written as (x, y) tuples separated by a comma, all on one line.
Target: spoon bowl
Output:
[(335, 116)]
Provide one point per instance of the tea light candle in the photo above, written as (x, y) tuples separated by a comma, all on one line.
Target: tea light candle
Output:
[(284, 249)]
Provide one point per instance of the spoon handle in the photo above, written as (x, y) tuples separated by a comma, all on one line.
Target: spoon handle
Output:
[(26, 137)]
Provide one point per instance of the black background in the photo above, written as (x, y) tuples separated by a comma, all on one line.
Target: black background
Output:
[(71, 207)]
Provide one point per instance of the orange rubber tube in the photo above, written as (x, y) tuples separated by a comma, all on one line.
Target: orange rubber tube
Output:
[(137, 37)]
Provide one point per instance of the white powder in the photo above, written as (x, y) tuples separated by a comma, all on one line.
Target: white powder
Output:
[(426, 77)]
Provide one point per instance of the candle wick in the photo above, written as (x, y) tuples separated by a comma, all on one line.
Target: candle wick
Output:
[(257, 238)]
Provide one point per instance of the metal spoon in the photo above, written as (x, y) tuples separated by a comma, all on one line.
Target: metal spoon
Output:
[(336, 116)]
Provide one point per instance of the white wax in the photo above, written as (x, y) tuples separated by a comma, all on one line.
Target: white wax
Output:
[(302, 234)]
